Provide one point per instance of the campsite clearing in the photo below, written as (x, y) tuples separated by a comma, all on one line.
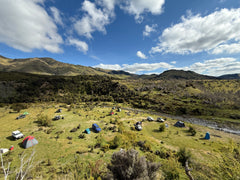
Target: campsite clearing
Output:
[(55, 145)]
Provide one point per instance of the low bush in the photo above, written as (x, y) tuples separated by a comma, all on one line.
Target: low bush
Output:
[(162, 127), (44, 120), (192, 130)]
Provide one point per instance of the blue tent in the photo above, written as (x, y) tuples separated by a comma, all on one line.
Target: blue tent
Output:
[(207, 136), (96, 128), (87, 131)]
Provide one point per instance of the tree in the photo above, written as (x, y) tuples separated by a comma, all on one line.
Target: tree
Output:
[(5, 170)]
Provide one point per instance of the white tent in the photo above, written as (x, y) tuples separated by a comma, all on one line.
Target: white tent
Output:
[(2, 150)]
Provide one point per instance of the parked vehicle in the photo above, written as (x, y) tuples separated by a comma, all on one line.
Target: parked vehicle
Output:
[(17, 134), (160, 119), (149, 118)]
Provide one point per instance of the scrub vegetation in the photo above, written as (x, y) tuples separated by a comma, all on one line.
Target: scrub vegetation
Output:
[(159, 151)]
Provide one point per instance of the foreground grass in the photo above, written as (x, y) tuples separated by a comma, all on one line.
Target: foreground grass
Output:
[(55, 153)]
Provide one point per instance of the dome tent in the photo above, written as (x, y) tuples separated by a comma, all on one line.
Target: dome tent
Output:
[(29, 141)]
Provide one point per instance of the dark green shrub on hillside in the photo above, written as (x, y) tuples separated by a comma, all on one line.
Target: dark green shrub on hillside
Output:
[(192, 130), (18, 107), (183, 156), (162, 128), (115, 143)]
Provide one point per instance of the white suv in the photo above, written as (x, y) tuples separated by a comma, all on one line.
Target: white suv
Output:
[(17, 134)]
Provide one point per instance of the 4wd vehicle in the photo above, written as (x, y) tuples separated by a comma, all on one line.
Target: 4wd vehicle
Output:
[(149, 118), (17, 135), (160, 119)]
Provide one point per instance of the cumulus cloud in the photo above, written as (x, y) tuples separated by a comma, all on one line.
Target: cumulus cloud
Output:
[(149, 29), (56, 15), (136, 67), (196, 34), (227, 48), (94, 19), (80, 45), (173, 62), (25, 25), (215, 67), (109, 66), (141, 55), (138, 7)]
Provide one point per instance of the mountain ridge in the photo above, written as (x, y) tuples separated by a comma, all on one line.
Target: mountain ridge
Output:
[(50, 66)]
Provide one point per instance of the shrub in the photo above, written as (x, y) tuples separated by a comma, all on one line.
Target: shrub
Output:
[(183, 156), (18, 107), (162, 128), (171, 169), (44, 120), (192, 130), (115, 143), (81, 136), (128, 165)]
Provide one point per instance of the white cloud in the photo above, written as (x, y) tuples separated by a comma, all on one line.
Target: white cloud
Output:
[(25, 25), (141, 55), (109, 66), (136, 67), (196, 34), (173, 62), (56, 15), (138, 7), (227, 48), (80, 45), (215, 67), (94, 19), (149, 29)]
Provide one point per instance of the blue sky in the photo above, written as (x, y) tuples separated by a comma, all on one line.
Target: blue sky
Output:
[(138, 36)]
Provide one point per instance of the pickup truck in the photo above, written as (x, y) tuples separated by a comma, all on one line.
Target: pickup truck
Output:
[(17, 134)]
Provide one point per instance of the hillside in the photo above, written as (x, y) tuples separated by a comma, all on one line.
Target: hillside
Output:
[(49, 66), (45, 66), (181, 74), (230, 76)]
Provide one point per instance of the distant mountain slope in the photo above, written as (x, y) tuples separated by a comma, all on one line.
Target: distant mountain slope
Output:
[(230, 76), (45, 66), (49, 66), (181, 74)]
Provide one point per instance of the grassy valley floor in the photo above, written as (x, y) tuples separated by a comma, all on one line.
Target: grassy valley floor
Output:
[(59, 150)]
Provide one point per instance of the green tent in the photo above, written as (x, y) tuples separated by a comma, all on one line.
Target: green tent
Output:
[(25, 113)]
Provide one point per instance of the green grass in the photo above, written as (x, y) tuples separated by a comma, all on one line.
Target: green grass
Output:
[(59, 151)]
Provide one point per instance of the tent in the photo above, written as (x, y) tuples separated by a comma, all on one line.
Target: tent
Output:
[(25, 113), (207, 136), (87, 131), (96, 128), (59, 111), (179, 124), (3, 150), (111, 113), (138, 127), (29, 141)]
